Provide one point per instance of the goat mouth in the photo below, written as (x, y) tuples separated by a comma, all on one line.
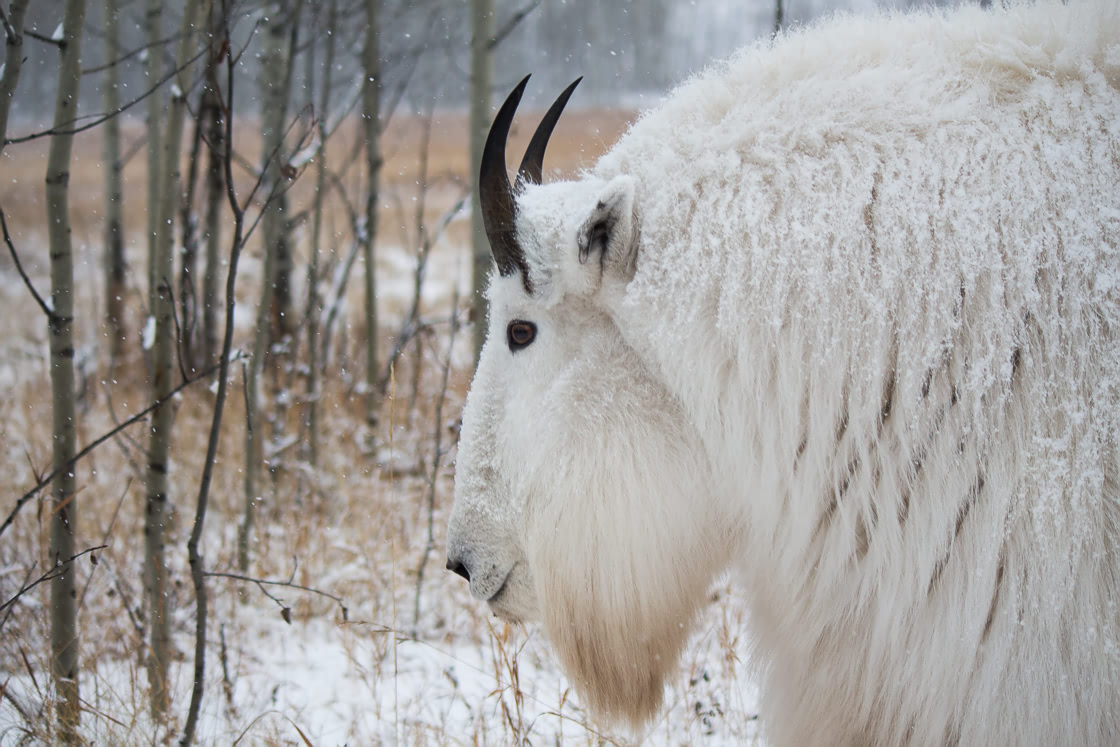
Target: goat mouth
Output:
[(495, 597)]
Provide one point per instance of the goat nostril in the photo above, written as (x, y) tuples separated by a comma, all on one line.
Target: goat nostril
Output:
[(457, 567)]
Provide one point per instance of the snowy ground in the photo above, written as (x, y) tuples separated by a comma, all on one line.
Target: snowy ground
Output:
[(355, 527), (341, 684)]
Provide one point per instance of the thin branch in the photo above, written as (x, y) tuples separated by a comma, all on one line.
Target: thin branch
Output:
[(276, 190), (235, 59), (5, 692), (412, 325), (26, 578), (332, 311), (194, 556), (104, 117), (42, 38), (245, 396), (105, 540), (359, 146), (44, 481), (126, 602), (344, 111), (122, 437), (129, 55), (136, 147), (398, 93), (53, 573), (27, 281), (511, 24), (351, 213), (178, 331), (87, 707), (284, 609), (9, 32)]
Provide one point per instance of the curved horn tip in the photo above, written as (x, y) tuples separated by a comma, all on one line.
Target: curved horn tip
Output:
[(496, 137), (532, 165), (494, 191)]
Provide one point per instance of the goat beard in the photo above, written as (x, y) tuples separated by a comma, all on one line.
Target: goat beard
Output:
[(618, 627)]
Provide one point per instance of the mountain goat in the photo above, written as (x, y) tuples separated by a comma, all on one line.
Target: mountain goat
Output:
[(841, 315)]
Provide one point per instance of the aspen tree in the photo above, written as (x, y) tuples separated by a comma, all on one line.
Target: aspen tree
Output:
[(163, 371), (114, 259), (278, 41), (314, 300), (371, 112), (63, 512)]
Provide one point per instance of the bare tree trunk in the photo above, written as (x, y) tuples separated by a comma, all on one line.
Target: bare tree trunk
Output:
[(779, 16), (155, 586), (114, 259), (152, 24), (423, 247), (211, 115), (482, 74), (277, 228), (307, 117), (280, 355), (63, 514), (13, 63), (274, 105), (314, 300), (371, 105), (188, 253)]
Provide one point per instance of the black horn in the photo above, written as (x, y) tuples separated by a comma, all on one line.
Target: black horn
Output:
[(495, 194), (532, 165)]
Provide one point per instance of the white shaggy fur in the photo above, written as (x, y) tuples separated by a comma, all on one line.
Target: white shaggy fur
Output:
[(850, 325)]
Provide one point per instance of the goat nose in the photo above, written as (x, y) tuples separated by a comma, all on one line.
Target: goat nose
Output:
[(456, 567)]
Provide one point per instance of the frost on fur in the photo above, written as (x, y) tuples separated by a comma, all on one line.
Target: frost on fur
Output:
[(842, 315)]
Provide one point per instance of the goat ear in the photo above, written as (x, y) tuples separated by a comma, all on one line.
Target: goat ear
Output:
[(609, 234)]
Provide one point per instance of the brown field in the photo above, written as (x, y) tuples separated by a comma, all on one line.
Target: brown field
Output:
[(355, 525)]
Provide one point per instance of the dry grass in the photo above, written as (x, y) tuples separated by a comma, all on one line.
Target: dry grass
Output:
[(355, 525)]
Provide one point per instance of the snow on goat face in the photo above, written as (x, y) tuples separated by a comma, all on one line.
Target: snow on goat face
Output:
[(578, 478)]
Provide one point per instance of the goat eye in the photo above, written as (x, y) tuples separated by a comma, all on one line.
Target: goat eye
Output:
[(520, 334)]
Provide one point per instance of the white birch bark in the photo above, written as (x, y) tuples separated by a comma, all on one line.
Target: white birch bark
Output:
[(163, 372), (63, 513), (274, 105)]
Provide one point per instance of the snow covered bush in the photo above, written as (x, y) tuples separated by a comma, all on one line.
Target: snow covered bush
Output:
[(841, 315)]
